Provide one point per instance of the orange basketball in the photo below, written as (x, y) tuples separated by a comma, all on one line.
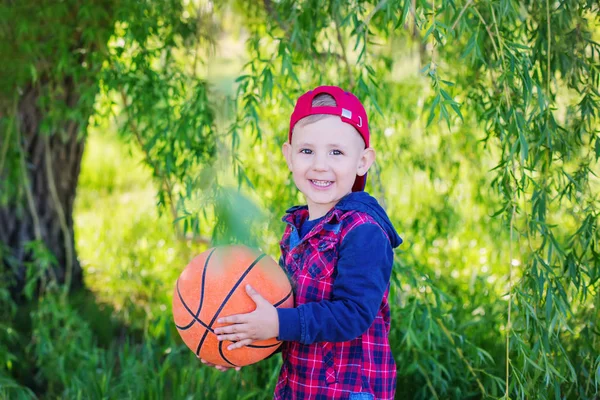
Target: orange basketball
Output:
[(212, 286)]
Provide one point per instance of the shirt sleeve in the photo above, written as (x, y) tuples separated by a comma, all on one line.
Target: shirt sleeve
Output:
[(364, 266)]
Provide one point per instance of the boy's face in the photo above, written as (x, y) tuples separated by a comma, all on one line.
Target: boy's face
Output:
[(324, 157)]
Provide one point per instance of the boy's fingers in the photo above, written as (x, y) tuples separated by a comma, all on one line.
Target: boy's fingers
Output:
[(254, 295), (232, 319), (234, 337), (234, 328), (239, 344), (219, 367)]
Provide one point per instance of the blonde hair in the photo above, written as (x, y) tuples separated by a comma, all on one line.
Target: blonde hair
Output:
[(320, 100)]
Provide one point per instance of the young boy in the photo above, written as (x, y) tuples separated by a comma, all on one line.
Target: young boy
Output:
[(338, 252)]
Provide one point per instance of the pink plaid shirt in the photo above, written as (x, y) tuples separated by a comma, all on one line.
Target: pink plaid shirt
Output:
[(331, 370)]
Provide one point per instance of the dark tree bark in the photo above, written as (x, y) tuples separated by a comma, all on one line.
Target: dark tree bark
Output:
[(66, 53), (46, 210)]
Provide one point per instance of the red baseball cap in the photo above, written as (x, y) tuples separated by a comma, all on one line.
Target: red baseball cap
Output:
[(349, 109)]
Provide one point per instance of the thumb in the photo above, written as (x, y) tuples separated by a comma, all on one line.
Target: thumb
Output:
[(254, 295)]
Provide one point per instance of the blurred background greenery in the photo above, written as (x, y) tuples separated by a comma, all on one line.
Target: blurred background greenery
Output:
[(145, 132)]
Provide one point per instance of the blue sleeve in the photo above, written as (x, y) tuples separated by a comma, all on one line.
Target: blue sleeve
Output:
[(364, 267)]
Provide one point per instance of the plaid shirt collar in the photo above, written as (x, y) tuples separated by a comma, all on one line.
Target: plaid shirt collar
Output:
[(296, 216)]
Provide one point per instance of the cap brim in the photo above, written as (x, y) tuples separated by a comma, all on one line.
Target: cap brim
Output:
[(359, 183)]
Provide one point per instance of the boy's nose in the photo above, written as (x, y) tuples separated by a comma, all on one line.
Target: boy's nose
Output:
[(320, 163)]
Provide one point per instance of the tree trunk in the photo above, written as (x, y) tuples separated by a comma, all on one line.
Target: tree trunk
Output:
[(46, 210)]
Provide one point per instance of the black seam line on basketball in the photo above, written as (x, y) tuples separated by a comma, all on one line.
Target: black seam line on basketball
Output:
[(280, 302), (193, 321), (195, 318), (231, 292), (201, 342), (266, 346), (223, 355)]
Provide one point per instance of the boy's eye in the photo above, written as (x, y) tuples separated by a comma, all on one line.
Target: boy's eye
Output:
[(306, 151), (336, 152)]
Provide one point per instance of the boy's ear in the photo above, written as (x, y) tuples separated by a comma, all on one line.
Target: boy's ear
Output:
[(366, 160), (287, 153)]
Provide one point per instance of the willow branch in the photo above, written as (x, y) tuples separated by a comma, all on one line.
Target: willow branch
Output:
[(344, 53), (6, 141), (462, 356), (197, 47), (157, 171), (487, 28), (501, 47), (461, 14), (427, 380), (164, 180), (499, 54), (433, 36), (61, 214), (4, 149), (549, 54), (320, 55), (510, 294), (30, 202), (379, 6)]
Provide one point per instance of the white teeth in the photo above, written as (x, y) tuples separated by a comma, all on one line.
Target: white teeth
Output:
[(321, 183)]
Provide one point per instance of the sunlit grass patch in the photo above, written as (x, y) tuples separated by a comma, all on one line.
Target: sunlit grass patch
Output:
[(130, 255)]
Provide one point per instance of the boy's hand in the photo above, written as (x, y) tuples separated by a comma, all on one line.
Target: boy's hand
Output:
[(260, 324), (219, 367)]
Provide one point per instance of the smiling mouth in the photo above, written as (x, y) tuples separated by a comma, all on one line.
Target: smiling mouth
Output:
[(321, 183)]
